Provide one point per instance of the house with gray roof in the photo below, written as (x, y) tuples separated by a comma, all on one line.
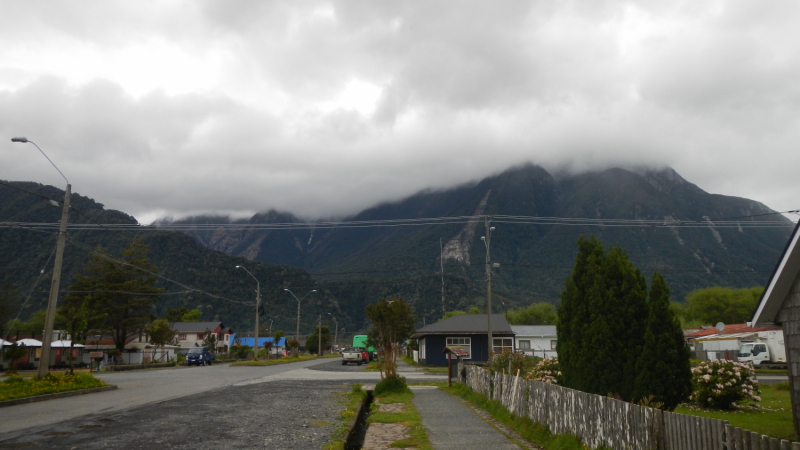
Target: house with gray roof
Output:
[(192, 334), (469, 331), (535, 340)]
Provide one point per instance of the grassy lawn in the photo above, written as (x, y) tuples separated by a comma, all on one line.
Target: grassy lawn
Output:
[(409, 360), (532, 432), (408, 417), (773, 417), (371, 367), (436, 369), (286, 360), (350, 401), (14, 386)]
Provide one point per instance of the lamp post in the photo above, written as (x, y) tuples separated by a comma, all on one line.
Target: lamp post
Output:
[(258, 303), (488, 241), (297, 332), (336, 333), (44, 361)]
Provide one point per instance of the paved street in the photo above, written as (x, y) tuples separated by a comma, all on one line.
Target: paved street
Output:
[(199, 407)]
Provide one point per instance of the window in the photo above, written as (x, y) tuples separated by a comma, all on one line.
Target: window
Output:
[(503, 344), (182, 337), (199, 336), (422, 348), (524, 345), (553, 344), (463, 342)]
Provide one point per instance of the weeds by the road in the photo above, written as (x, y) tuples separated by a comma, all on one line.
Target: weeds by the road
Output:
[(772, 371), (15, 386), (533, 432), (350, 401), (772, 417)]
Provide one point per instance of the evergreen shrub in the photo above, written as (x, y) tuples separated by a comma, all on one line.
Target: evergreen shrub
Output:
[(391, 385), (724, 384)]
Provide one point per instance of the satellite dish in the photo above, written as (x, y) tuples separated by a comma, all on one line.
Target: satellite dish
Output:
[(720, 326)]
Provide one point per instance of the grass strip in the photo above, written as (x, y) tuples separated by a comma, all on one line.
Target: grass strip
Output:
[(773, 371), (14, 386), (530, 431), (350, 401), (409, 417), (773, 416)]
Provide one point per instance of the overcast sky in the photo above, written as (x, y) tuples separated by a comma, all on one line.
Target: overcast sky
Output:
[(324, 108)]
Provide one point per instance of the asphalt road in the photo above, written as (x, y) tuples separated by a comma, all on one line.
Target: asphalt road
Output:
[(280, 415), (222, 406), (137, 388)]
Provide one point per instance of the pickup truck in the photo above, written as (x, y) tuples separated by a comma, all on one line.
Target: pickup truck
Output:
[(351, 354)]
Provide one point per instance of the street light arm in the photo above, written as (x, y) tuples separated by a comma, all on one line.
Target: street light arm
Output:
[(248, 272), (26, 141)]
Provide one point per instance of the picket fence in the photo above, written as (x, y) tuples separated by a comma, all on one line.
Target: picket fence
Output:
[(619, 425)]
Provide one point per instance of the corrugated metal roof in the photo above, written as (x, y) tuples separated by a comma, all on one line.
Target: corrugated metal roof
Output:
[(731, 329), (195, 327), (534, 330)]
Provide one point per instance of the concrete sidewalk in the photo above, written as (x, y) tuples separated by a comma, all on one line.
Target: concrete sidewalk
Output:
[(451, 425)]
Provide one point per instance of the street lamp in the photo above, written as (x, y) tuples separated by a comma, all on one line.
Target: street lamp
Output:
[(44, 361), (258, 303), (336, 333), (297, 333), (488, 241)]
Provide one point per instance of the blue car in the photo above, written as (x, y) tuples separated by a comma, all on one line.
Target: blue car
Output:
[(200, 356)]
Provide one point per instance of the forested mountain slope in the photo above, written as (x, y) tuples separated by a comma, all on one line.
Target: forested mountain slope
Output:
[(535, 258)]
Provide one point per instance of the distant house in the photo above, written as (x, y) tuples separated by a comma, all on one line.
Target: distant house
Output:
[(280, 346), (469, 331), (780, 305), (709, 344), (536, 340), (192, 334)]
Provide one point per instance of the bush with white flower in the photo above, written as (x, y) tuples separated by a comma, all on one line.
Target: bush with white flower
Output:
[(724, 384), (547, 371)]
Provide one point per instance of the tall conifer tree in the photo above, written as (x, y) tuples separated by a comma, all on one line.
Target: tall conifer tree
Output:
[(663, 367), (602, 319)]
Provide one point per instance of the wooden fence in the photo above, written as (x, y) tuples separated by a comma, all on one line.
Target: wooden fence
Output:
[(599, 420)]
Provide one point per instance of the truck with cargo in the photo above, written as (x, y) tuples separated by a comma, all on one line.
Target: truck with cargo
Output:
[(361, 341), (766, 347)]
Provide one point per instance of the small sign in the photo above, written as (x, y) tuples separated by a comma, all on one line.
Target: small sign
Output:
[(96, 354)]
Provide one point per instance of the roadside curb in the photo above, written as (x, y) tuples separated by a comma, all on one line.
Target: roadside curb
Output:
[(45, 397)]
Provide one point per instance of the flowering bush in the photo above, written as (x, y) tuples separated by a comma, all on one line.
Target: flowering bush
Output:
[(510, 362), (546, 370), (723, 384)]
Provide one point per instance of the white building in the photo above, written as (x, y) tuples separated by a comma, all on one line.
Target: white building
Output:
[(192, 334), (536, 340)]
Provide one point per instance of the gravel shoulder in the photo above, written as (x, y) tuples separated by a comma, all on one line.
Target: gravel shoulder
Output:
[(277, 415)]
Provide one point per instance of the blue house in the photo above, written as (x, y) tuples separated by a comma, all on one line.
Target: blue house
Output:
[(469, 331), (276, 347)]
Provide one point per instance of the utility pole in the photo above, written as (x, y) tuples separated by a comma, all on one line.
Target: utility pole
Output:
[(52, 301), (441, 263), (319, 335), (258, 302), (47, 339), (487, 239), (336, 333), (297, 333)]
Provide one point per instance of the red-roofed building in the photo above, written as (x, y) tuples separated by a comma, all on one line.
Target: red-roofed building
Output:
[(711, 344)]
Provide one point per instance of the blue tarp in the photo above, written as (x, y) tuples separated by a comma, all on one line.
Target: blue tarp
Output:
[(249, 341)]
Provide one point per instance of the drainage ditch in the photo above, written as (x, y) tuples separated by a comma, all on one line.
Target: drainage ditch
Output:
[(358, 428)]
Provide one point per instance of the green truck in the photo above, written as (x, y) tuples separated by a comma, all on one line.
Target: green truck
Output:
[(361, 341)]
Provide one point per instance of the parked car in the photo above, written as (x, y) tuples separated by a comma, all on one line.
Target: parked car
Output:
[(365, 355), (352, 354), (200, 356)]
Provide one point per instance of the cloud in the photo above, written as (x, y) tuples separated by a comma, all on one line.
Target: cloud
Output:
[(324, 108)]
